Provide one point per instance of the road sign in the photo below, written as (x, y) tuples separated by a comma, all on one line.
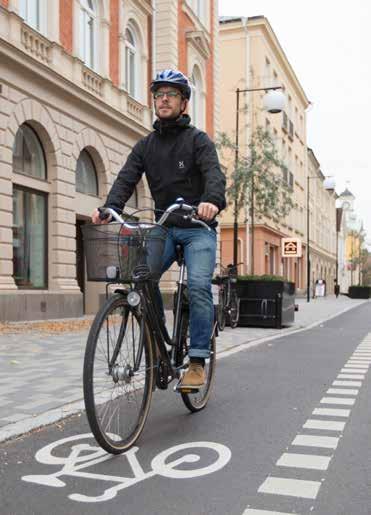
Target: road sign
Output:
[(291, 247)]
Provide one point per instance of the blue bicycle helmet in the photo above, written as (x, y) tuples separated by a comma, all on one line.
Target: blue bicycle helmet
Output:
[(172, 78)]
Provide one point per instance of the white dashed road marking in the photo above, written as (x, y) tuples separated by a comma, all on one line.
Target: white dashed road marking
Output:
[(332, 412), (304, 461), (351, 376), (354, 370), (327, 425), (347, 383), (327, 442), (337, 400), (342, 391), (250, 511), (291, 487)]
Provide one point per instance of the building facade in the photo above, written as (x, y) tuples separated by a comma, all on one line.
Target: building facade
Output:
[(74, 99), (258, 62), (349, 254), (321, 211)]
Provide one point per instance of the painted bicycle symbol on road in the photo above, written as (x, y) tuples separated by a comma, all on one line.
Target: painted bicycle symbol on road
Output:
[(85, 455)]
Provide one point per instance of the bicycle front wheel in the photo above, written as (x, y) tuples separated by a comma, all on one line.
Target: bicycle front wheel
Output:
[(198, 400), (118, 375)]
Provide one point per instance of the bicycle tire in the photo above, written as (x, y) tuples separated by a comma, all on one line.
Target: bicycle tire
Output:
[(122, 386), (221, 314), (234, 309), (197, 401)]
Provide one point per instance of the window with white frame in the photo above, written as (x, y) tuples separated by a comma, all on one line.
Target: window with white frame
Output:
[(196, 104), (199, 7), (34, 13), (87, 32), (131, 63)]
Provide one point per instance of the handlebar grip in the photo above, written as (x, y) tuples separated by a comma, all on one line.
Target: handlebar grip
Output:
[(103, 214)]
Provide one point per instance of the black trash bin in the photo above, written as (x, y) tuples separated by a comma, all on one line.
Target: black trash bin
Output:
[(266, 303)]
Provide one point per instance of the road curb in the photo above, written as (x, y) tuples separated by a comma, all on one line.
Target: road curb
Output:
[(18, 429)]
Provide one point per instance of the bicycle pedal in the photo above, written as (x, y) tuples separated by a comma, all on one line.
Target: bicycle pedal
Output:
[(179, 389)]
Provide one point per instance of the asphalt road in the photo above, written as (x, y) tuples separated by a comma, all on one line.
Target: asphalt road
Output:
[(267, 443)]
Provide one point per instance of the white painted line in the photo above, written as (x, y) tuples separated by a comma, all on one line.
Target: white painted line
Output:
[(251, 511), (342, 391), (347, 383), (332, 412), (327, 425), (337, 400), (327, 442), (353, 370), (361, 361), (291, 487), (303, 461), (351, 376), (356, 365)]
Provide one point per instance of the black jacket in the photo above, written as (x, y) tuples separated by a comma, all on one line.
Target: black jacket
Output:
[(179, 161)]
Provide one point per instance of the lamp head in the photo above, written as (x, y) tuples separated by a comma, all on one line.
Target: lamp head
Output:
[(274, 101), (329, 184)]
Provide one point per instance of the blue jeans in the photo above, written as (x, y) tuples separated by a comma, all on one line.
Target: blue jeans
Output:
[(199, 254)]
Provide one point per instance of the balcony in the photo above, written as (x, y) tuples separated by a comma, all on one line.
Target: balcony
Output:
[(35, 44), (27, 47)]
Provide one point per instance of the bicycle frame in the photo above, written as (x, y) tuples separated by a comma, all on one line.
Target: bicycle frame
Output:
[(152, 314), (145, 288)]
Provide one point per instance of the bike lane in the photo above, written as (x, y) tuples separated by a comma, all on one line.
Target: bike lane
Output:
[(223, 459)]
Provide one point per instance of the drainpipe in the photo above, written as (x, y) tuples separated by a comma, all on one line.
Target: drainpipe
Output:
[(153, 37)]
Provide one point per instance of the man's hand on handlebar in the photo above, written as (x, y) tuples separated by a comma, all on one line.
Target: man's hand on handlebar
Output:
[(96, 217), (207, 211)]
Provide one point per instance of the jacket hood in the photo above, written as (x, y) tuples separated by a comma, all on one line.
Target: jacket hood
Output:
[(172, 125)]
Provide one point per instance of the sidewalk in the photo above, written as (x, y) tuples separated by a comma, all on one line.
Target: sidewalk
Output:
[(41, 363)]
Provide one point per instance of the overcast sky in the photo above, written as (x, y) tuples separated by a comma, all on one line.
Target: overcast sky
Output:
[(328, 44)]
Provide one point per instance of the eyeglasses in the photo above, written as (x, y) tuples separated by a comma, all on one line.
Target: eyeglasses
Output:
[(169, 94)]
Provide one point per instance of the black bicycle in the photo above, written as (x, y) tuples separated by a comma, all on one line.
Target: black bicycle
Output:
[(129, 352), (229, 302)]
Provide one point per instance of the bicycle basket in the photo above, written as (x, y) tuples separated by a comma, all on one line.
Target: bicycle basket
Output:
[(113, 251)]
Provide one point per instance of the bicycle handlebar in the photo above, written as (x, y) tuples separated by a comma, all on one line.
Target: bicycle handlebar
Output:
[(105, 212)]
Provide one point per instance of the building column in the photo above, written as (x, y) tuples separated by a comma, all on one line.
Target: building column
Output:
[(104, 50), (62, 228), (13, 5), (6, 213)]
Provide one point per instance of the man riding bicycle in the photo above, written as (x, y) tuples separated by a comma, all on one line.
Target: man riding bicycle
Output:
[(180, 161)]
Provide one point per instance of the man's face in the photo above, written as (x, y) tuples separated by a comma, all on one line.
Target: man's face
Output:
[(168, 102)]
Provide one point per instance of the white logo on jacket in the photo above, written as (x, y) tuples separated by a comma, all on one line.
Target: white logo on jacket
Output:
[(181, 164)]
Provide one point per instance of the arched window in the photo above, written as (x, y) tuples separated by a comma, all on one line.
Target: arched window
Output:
[(86, 177), (131, 63), (28, 154), (87, 32), (29, 213), (196, 110)]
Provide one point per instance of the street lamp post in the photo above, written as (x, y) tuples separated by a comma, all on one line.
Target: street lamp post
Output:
[(329, 184), (274, 102)]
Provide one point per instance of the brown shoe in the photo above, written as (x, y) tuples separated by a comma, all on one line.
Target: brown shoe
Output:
[(194, 377)]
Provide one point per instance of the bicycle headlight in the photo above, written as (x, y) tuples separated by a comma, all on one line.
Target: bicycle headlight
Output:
[(133, 298)]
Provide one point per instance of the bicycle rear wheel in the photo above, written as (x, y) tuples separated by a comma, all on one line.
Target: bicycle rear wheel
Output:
[(118, 375), (221, 315), (234, 309), (197, 401)]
